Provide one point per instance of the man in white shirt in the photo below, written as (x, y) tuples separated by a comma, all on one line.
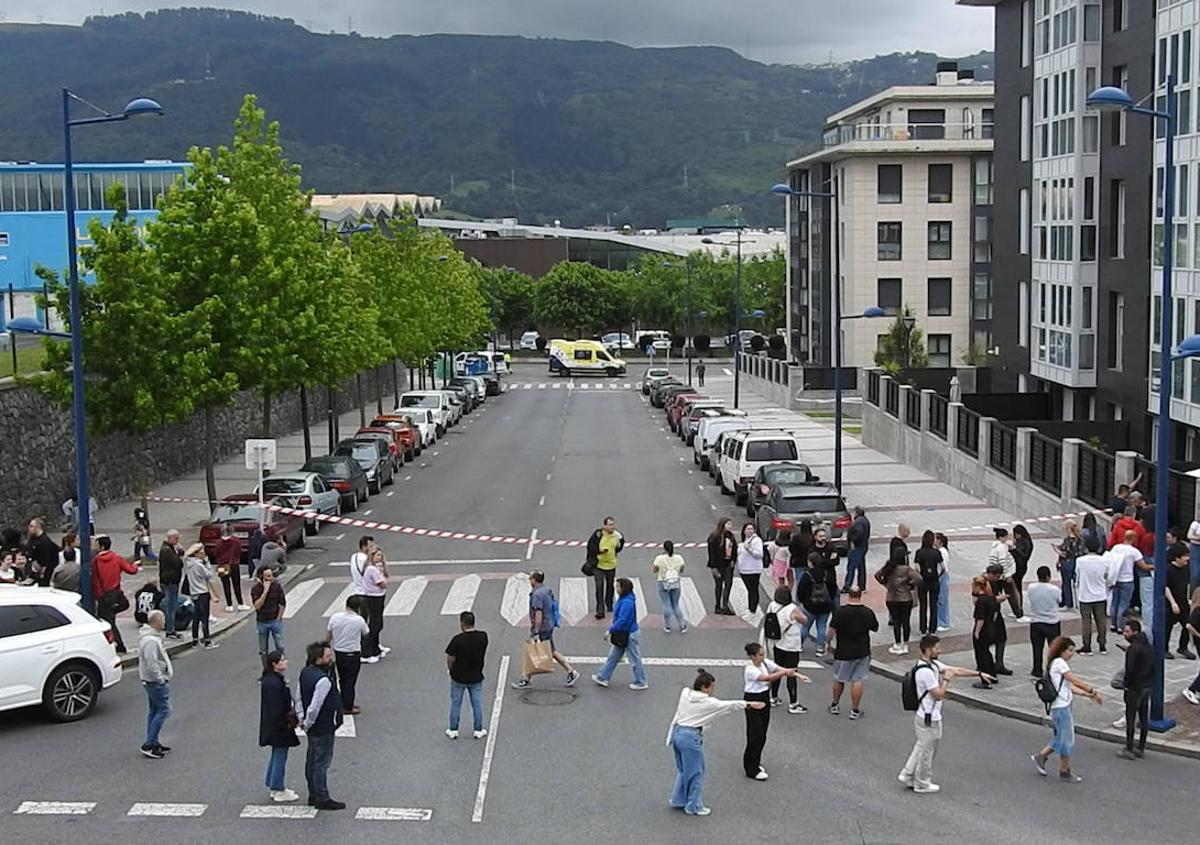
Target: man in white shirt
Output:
[(1123, 556), (1093, 573), (933, 680), (345, 634)]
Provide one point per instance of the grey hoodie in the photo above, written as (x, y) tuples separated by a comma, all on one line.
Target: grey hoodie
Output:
[(154, 664)]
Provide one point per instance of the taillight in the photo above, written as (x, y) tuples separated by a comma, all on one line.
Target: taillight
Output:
[(108, 635), (780, 524), (342, 486), (305, 500), (763, 489), (842, 522)]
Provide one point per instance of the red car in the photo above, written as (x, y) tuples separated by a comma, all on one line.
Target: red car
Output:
[(242, 512), (405, 429), (675, 409)]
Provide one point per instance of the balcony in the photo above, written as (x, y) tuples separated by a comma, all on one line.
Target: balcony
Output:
[(915, 132)]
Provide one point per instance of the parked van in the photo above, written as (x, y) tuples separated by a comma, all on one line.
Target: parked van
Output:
[(709, 440), (743, 452), (436, 401), (582, 357)]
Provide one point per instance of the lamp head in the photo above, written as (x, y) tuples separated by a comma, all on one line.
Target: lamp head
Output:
[(708, 241), (781, 188), (1189, 348), (143, 106), (25, 325), (874, 311), (1110, 98), (758, 313)]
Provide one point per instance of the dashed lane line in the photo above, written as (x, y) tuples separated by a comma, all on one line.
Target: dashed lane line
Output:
[(281, 811), (55, 808), (394, 814), (176, 810)]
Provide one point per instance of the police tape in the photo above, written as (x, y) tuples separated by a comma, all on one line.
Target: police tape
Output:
[(1032, 520)]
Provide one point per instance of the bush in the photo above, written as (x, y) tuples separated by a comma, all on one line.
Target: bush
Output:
[(677, 341), (757, 343), (776, 343), (702, 343), (540, 343)]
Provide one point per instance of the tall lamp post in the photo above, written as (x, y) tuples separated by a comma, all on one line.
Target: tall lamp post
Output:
[(687, 269), (1115, 99), (737, 315), (135, 108)]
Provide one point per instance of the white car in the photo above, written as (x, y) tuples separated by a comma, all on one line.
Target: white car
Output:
[(529, 340), (457, 408), (434, 400), (617, 342), (424, 421), (53, 653), (743, 452), (308, 490)]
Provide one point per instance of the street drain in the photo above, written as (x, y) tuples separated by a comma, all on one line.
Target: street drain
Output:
[(548, 697)]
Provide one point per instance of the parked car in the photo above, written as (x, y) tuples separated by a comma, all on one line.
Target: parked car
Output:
[(344, 475), (678, 402), (728, 427), (475, 384), (466, 396), (787, 504), (491, 384), (391, 442), (243, 514), (651, 376), (456, 405), (770, 474), (617, 342), (667, 393), (686, 426), (744, 452), (658, 387), (404, 428), (529, 340), (308, 490), (423, 419), (434, 400), (374, 458)]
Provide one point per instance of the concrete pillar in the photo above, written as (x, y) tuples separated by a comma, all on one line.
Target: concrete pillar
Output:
[(1021, 464), (1070, 470), (1125, 469), (925, 394), (985, 440), (952, 424)]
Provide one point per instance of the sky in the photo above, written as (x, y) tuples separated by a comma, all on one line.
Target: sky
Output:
[(789, 31)]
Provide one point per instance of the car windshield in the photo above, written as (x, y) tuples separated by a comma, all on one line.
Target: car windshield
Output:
[(787, 476), (283, 486), (771, 450), (420, 402), (359, 450), (663, 373), (236, 512), (811, 504), (325, 467)]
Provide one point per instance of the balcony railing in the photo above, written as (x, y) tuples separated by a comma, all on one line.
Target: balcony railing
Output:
[(967, 434), (1002, 449), (939, 410), (891, 399), (873, 387), (1045, 463), (867, 132), (1094, 477), (912, 409)]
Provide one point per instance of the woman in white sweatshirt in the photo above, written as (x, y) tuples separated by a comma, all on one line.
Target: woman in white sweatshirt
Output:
[(697, 708)]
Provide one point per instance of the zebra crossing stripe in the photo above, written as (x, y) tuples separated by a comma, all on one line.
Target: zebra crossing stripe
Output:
[(340, 602), (151, 809), (573, 599), (406, 597), (299, 595), (528, 386), (462, 595), (690, 603), (642, 610), (542, 386), (55, 808), (278, 811), (394, 814), (514, 606), (739, 599)]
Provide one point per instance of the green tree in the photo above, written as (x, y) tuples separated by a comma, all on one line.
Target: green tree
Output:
[(510, 299), (903, 347), (577, 297)]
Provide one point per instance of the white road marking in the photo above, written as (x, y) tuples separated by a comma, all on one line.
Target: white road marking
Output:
[(548, 476), (686, 662), (640, 598), (465, 561), (367, 512), (627, 386), (739, 598), (529, 386), (347, 729), (405, 599), (529, 548), (462, 595), (394, 814), (391, 493), (541, 501), (727, 371), (299, 595), (556, 385), (573, 599), (543, 386), (55, 808), (149, 809), (690, 603), (435, 454), (339, 603), (342, 536), (278, 811), (489, 750), (406, 478), (514, 606)]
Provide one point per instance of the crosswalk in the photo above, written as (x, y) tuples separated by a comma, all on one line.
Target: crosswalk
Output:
[(508, 594), (571, 385)]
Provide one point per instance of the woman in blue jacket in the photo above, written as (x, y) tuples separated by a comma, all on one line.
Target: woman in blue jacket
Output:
[(624, 637)]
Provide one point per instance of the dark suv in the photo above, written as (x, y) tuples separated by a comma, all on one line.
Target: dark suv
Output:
[(787, 504)]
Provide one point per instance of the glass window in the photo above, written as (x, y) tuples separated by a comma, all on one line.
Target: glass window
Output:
[(938, 297), (1091, 22), (983, 239), (1091, 133), (889, 235), (1087, 243), (1026, 32), (941, 182), (926, 124), (889, 295), (939, 241), (938, 348), (989, 122), (983, 181), (19, 619), (1085, 316), (890, 178), (981, 297)]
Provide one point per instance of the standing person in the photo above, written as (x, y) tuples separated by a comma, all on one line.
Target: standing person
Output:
[(1022, 551), (750, 563), (858, 538), (1066, 683), (543, 619), (106, 586), (668, 570), (624, 638), (199, 578), (603, 547), (815, 592), (1192, 693), (228, 555), (371, 584), (269, 603), (700, 371), (465, 656), (942, 543), (345, 633), (1177, 605), (850, 634), (987, 610), (254, 547), (1091, 529), (1128, 521), (375, 582), (170, 574), (789, 645), (1093, 574), (780, 557), (758, 676), (722, 551), (1000, 553), (1123, 557), (799, 548), (155, 672), (40, 553), (697, 708), (277, 723), (1002, 588), (901, 582), (141, 536), (320, 715), (929, 565), (899, 543), (1069, 551), (932, 679), (1043, 600), (1136, 680), (823, 549)]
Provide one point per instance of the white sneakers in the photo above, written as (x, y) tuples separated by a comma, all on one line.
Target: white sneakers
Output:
[(762, 774), (384, 650), (597, 679), (243, 607), (369, 659), (1191, 696), (480, 734), (928, 789), (905, 779), (282, 796), (1119, 723), (639, 686), (451, 734), (229, 608), (898, 648)]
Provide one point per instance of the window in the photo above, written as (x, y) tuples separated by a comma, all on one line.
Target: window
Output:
[(1085, 318), (19, 619), (926, 124), (1091, 22), (941, 182), (1091, 133), (1023, 314), (3, 238), (981, 297), (1116, 221), (1026, 127), (1026, 32), (989, 122), (889, 295), (983, 181), (771, 450), (1023, 222), (1120, 16), (983, 240), (889, 241), (939, 350), (938, 298), (1087, 243), (890, 179), (939, 241), (1120, 79)]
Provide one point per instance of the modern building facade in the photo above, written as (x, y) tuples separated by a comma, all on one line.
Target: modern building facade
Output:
[(910, 225)]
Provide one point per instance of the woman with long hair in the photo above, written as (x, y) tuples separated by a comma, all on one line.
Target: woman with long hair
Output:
[(277, 724), (750, 563), (722, 552), (623, 638), (758, 676), (983, 630), (1091, 529), (668, 569), (1068, 550), (1022, 551), (901, 581), (787, 648), (929, 565), (817, 592), (942, 544), (1066, 683), (799, 547)]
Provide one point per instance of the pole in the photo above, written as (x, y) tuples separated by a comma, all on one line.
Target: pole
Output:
[(83, 499), (330, 417), (689, 351), (737, 321), (837, 336), (12, 336), (1158, 722), (262, 509), (787, 272)]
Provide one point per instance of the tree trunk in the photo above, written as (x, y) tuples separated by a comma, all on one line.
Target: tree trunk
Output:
[(358, 397), (331, 415), (266, 414), (210, 475), (304, 422), (396, 381), (379, 390)]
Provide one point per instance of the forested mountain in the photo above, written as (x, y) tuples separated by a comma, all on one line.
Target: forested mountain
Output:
[(581, 131)]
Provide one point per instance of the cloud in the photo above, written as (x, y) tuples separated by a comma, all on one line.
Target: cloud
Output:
[(766, 30)]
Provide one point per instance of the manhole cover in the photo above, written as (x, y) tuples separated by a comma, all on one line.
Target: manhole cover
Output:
[(548, 697)]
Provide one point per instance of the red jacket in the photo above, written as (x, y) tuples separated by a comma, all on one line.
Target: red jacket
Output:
[(106, 572), (228, 552), (1126, 523)]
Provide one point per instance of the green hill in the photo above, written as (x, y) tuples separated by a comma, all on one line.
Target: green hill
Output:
[(581, 131)]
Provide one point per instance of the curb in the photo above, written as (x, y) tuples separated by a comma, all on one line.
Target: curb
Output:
[(1113, 736)]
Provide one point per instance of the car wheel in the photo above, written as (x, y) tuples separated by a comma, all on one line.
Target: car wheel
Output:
[(411, 454), (749, 508), (373, 487), (350, 504), (391, 479), (611, 372), (337, 508), (71, 692), (721, 483), (312, 527), (740, 498), (299, 544)]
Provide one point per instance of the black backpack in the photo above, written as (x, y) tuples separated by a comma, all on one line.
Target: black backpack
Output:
[(819, 597), (771, 629), (1047, 692), (908, 687)]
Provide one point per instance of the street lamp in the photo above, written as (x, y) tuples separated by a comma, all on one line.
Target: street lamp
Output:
[(737, 315), (869, 314), (687, 269), (135, 108), (1115, 99)]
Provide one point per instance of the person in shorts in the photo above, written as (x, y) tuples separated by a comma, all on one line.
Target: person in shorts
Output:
[(850, 636), (543, 619)]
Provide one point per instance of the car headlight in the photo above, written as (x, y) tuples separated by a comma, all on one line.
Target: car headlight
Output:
[(370, 475)]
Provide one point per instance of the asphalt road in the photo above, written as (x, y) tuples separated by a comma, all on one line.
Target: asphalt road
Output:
[(568, 765)]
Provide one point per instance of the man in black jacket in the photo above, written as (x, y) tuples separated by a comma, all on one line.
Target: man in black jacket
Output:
[(41, 552), (603, 547), (1139, 671), (170, 573)]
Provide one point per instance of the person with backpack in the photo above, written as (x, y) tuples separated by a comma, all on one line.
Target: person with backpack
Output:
[(1057, 690), (722, 551), (922, 691), (758, 676), (929, 565), (543, 619), (668, 569), (816, 589), (624, 639), (782, 627)]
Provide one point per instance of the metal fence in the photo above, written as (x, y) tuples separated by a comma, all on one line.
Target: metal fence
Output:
[(1094, 477), (912, 409), (939, 411), (967, 435), (760, 366), (1045, 463), (892, 399), (1002, 449), (1181, 492), (873, 388)]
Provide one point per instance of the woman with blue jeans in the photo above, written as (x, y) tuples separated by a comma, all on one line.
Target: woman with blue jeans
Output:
[(1065, 681), (816, 591), (623, 634), (943, 611), (667, 568), (277, 724)]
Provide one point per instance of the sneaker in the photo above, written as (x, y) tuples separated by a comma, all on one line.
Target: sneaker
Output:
[(683, 629), (775, 702), (639, 686), (894, 649), (1187, 655), (1086, 652), (1069, 777), (385, 650), (330, 804), (943, 629), (820, 651), (703, 811), (1104, 650), (229, 608), (173, 635), (905, 779), (833, 709), (797, 708), (152, 752), (1039, 763), (572, 677), (1166, 654), (761, 775), (165, 749), (981, 685), (1191, 696), (354, 711), (598, 680), (927, 789), (666, 629), (1119, 723), (369, 660), (244, 607), (209, 645), (480, 734), (451, 733), (855, 714), (282, 796), (1025, 619), (520, 683), (1126, 754), (1004, 670)]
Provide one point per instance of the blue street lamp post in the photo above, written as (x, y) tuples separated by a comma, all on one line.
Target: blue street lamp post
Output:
[(737, 316), (83, 516)]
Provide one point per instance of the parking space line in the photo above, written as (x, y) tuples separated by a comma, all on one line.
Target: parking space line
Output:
[(266, 811), (489, 750), (541, 501), (685, 662)]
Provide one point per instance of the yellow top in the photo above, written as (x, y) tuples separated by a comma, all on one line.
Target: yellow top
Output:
[(608, 551)]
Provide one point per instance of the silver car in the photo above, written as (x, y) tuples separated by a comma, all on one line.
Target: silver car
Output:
[(309, 491)]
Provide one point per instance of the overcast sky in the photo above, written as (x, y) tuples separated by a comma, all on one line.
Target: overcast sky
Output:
[(766, 30)]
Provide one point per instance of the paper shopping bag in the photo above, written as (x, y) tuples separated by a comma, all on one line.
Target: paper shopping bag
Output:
[(538, 659)]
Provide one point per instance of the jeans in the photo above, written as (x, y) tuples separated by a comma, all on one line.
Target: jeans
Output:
[(1067, 572), (235, 576), (1063, 740), (605, 589), (688, 745), (943, 603), (1146, 593), (901, 613), (634, 651), (370, 643), (722, 584), (201, 605), (475, 691), (316, 765), (670, 606), (919, 766), (1093, 613), (268, 631), (751, 581), (927, 595), (757, 722), (158, 694), (1040, 635), (348, 665), (169, 604), (1137, 707), (811, 619), (856, 563), (1122, 592), (277, 769)]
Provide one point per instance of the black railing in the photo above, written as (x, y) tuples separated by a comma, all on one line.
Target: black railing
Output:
[(939, 410), (1045, 463), (892, 398), (1181, 492), (967, 436), (912, 409), (1002, 449), (873, 388), (1094, 477)]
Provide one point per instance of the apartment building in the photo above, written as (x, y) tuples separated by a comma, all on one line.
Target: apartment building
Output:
[(910, 226)]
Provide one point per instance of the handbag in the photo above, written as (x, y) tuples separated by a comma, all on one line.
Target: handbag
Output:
[(589, 567), (619, 638), (1118, 679), (116, 600), (538, 658)]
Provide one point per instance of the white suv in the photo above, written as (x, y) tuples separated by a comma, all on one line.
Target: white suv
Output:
[(743, 452), (53, 653)]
